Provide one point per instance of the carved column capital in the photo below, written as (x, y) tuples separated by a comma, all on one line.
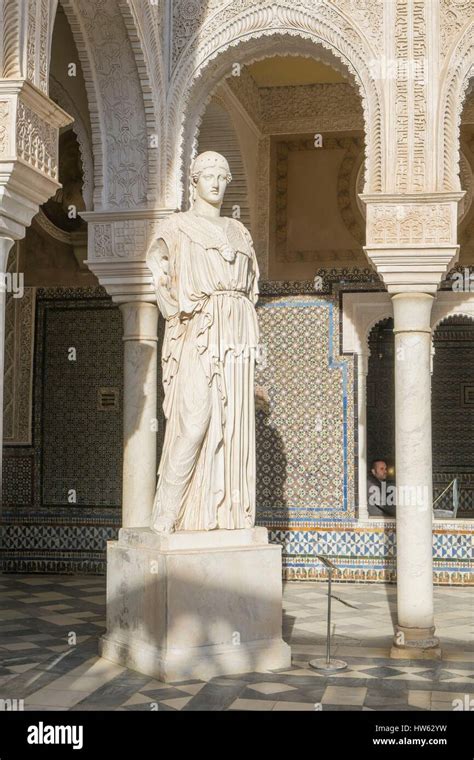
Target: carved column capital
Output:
[(412, 238), (29, 129), (116, 250)]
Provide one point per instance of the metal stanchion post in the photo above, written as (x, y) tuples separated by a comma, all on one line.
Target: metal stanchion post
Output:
[(328, 665)]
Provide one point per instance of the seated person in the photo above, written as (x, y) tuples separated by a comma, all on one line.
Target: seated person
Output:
[(380, 496)]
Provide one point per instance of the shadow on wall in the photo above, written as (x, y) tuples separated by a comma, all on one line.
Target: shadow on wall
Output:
[(271, 461)]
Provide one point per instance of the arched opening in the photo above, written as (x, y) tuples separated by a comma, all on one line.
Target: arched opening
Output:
[(309, 35), (293, 128), (381, 395), (453, 413)]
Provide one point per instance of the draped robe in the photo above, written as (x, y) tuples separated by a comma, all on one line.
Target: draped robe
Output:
[(206, 289)]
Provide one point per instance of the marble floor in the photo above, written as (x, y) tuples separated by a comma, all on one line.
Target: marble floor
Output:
[(49, 627)]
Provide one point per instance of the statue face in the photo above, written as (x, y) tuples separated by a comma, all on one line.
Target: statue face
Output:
[(211, 185)]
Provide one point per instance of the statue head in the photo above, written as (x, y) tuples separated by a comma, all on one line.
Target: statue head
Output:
[(210, 175)]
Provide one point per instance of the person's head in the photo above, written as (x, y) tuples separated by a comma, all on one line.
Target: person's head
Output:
[(210, 175), (378, 468)]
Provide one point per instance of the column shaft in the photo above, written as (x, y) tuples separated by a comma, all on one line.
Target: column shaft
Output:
[(415, 628), (140, 320)]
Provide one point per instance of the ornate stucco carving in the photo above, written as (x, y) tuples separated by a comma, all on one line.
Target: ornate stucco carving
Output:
[(410, 223), (369, 16), (4, 130), (453, 88), (143, 24), (11, 39), (117, 111), (36, 141), (246, 90), (317, 108), (39, 24), (187, 17), (465, 172), (454, 14), (29, 128), (31, 41), (43, 45), (118, 236), (410, 96)]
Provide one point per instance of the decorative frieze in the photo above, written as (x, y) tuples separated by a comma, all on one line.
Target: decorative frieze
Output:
[(310, 108), (26, 135), (36, 141), (411, 223), (122, 238), (412, 239)]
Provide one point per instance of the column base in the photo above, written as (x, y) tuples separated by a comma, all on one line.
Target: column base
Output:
[(415, 644), (194, 604)]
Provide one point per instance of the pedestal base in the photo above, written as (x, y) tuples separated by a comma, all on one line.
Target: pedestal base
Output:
[(415, 644), (194, 604)]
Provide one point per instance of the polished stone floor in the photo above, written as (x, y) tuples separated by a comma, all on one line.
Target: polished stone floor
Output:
[(49, 626)]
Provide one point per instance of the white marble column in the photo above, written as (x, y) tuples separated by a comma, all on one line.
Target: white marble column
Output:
[(362, 370), (414, 637), (140, 322), (6, 244)]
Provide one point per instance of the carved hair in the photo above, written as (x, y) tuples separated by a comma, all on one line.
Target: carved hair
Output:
[(209, 159)]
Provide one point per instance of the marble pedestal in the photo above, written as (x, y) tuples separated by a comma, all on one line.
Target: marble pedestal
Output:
[(194, 604)]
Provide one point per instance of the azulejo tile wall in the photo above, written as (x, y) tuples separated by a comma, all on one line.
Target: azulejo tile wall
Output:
[(367, 552), (305, 444), (62, 495), (306, 449)]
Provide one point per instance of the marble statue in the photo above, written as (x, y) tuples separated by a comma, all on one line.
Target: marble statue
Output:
[(206, 279)]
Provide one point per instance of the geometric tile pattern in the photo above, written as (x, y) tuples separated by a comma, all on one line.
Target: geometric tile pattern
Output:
[(75, 446), (62, 541), (49, 627), (81, 446), (363, 553), (17, 479), (305, 444), (66, 537)]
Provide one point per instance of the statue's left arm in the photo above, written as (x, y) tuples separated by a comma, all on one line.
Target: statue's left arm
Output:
[(158, 261), (254, 277)]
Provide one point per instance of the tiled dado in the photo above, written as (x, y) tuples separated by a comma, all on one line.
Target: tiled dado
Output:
[(57, 540), (364, 553)]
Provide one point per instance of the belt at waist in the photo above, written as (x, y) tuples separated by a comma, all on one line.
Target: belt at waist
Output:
[(229, 292)]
